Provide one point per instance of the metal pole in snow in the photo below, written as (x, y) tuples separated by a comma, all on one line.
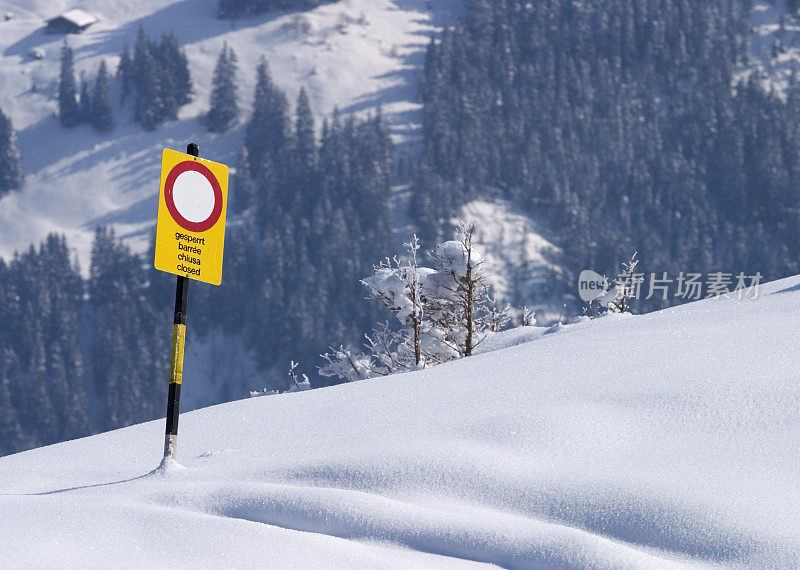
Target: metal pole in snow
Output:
[(176, 356)]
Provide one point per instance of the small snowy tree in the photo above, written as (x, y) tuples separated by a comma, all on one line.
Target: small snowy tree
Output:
[(299, 383), (528, 317), (618, 298), (497, 314), (10, 162), (345, 364), (399, 286), (445, 313), (389, 351), (224, 94), (458, 293)]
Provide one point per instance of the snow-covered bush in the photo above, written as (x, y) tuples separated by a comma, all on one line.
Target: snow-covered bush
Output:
[(345, 364), (400, 287), (617, 299), (444, 313), (528, 317), (299, 383), (458, 293)]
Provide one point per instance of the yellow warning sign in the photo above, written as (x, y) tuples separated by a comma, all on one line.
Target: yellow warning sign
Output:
[(192, 200)]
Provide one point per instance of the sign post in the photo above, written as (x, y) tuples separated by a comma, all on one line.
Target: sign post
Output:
[(190, 239)]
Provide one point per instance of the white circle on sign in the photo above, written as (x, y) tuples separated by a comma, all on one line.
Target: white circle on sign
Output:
[(193, 196)]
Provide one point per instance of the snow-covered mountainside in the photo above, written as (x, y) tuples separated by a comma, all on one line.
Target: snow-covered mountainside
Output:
[(353, 54), (774, 45), (520, 261), (659, 441)]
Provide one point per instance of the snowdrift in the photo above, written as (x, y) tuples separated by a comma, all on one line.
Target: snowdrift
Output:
[(664, 440)]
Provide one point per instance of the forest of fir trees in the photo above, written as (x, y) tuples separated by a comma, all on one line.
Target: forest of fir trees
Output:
[(10, 160), (311, 204), (619, 125), (240, 8), (155, 79)]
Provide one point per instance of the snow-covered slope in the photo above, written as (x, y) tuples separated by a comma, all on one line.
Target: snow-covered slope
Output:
[(774, 45), (518, 257), (665, 440), (354, 54)]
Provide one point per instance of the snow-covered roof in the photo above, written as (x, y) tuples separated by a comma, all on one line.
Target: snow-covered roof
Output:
[(78, 17)]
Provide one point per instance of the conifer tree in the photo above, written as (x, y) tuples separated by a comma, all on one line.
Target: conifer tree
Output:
[(161, 79), (37, 412), (237, 8), (173, 68), (306, 146), (305, 179), (101, 116), (11, 437), (458, 293), (10, 162), (224, 94), (126, 74), (127, 359), (68, 110), (85, 101), (148, 105), (268, 131), (243, 188)]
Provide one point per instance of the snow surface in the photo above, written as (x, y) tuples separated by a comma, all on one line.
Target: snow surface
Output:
[(665, 440)]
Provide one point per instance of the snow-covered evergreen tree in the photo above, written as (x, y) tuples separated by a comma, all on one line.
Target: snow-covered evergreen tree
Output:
[(457, 293), (102, 118), (347, 365), (623, 289), (159, 74), (399, 286), (173, 67), (68, 110), (128, 361), (11, 436), (268, 131), (85, 100), (224, 93), (10, 161), (149, 97), (243, 187), (126, 74), (445, 312), (305, 141)]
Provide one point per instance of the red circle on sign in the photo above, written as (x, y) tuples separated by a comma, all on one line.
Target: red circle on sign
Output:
[(176, 171)]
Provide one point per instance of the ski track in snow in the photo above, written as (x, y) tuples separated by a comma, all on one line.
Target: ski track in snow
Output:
[(666, 440)]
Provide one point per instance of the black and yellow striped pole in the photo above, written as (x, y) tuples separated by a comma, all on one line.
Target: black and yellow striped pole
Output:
[(176, 356)]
